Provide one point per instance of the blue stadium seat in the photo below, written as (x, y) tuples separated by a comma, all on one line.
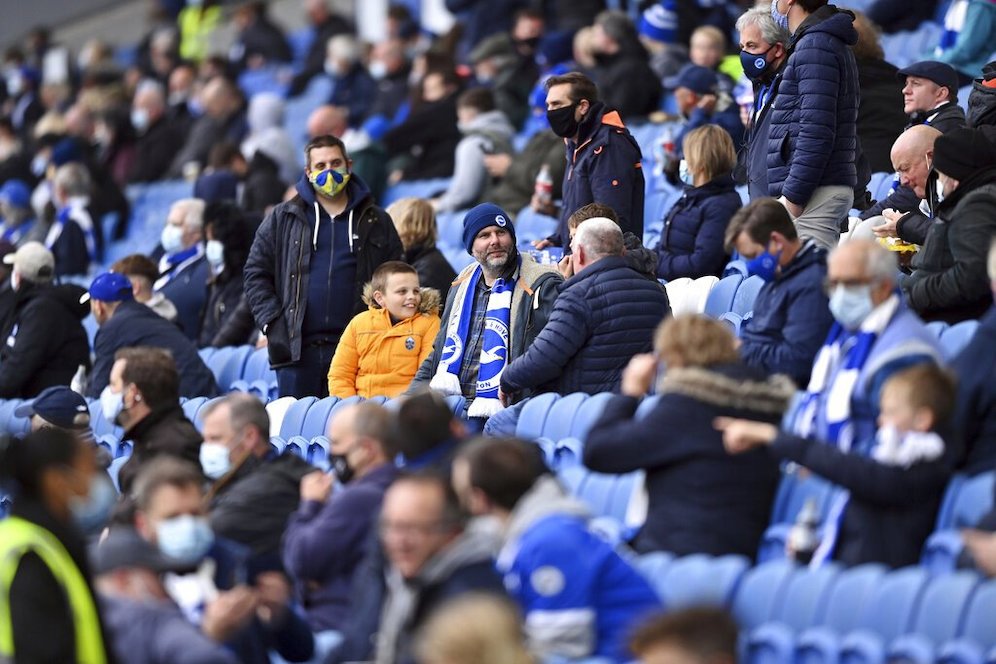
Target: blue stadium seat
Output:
[(7, 412), (735, 321), (316, 420), (937, 619), (191, 406), (318, 452), (257, 367), (278, 444), (622, 494), (944, 514), (565, 453), (560, 416), (956, 337), (721, 296), (736, 266), (217, 360), (293, 421), (300, 41), (110, 443), (653, 567), (973, 499), (941, 551), (701, 580), (937, 327), (743, 301), (977, 634), (234, 366), (533, 416), (587, 416), (573, 478), (458, 404), (338, 408), (125, 448), (416, 188), (647, 404), (99, 425), (298, 445), (531, 225), (114, 469), (760, 591)]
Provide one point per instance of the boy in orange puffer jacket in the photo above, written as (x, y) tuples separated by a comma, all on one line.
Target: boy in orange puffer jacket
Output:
[(383, 347)]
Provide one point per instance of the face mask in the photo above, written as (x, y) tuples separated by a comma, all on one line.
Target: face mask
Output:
[(562, 121), (340, 466), (684, 174), (378, 70), (14, 281), (38, 165), (111, 404), (851, 305), (764, 265), (171, 239), (329, 182), (15, 84), (91, 513), (215, 460), (185, 538), (140, 119), (781, 19), (754, 64), (215, 252)]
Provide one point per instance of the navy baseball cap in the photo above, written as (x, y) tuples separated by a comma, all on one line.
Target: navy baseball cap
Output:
[(108, 287), (58, 405), (700, 80), (940, 73), (124, 548)]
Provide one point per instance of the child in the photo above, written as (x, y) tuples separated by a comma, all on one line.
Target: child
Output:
[(383, 347), (893, 485), (707, 48)]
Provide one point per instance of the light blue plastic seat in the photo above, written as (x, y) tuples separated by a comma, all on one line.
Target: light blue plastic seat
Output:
[(721, 296)]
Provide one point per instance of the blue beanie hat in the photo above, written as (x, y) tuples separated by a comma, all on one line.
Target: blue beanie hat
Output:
[(481, 217), (660, 22), (16, 193)]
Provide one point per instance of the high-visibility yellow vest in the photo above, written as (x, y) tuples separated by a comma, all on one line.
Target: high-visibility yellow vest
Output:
[(196, 27), (18, 537)]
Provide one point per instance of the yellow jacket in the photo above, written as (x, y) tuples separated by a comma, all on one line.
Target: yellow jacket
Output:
[(375, 358), (197, 27)]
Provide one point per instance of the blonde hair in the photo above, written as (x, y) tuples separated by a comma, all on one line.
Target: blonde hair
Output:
[(415, 221), (709, 149), (475, 628), (695, 340), (714, 34)]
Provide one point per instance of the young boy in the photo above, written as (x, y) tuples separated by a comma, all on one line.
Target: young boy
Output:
[(894, 484), (638, 257), (383, 347), (707, 48)]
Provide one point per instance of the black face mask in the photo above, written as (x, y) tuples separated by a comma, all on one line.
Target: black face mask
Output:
[(562, 121), (340, 466)]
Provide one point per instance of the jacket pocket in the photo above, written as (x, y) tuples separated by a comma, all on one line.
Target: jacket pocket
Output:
[(278, 342), (785, 148)]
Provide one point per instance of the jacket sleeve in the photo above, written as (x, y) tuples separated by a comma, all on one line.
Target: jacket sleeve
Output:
[(100, 376), (429, 365), (819, 80), (237, 329), (323, 540), (557, 343), (260, 274), (864, 477), (291, 638), (345, 364), (469, 176), (913, 227), (23, 358), (612, 179), (902, 200), (709, 255), (966, 280)]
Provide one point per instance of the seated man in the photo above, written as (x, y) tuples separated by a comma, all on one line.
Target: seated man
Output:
[(72, 237), (700, 102), (59, 407), (183, 268), (142, 273), (125, 323), (791, 314), (575, 605)]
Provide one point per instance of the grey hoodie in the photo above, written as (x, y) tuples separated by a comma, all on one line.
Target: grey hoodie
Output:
[(489, 133)]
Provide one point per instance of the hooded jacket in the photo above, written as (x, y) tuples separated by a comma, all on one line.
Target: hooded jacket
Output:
[(692, 240), (812, 141), (377, 358), (488, 133), (575, 605), (223, 297), (981, 104), (277, 273), (44, 342)]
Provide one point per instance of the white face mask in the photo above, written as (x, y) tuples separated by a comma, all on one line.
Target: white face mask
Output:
[(172, 238), (185, 538), (111, 404), (685, 173), (140, 119), (215, 253), (378, 70), (215, 460)]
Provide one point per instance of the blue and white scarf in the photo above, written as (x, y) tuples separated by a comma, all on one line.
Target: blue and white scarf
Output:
[(954, 22), (835, 375), (494, 349), (172, 265), (74, 212)]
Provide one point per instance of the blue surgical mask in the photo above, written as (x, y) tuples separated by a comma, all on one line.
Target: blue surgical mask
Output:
[(111, 404), (781, 19), (685, 174), (215, 460), (185, 538), (764, 265), (851, 305), (91, 513), (754, 64)]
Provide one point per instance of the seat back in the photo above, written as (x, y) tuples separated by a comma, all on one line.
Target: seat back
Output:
[(743, 301), (889, 611), (701, 580), (586, 417), (653, 567), (293, 422), (721, 296), (943, 606), (806, 595), (955, 338), (560, 416), (973, 500), (759, 593), (978, 625), (533, 416), (316, 420), (850, 592)]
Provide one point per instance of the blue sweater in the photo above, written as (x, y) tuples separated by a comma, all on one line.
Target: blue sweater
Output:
[(692, 241)]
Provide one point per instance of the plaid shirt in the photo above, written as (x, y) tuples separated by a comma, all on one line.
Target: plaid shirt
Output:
[(472, 353)]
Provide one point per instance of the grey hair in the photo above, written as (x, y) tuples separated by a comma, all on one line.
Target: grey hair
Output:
[(243, 410), (880, 263), (771, 32), (600, 236), (373, 421), (193, 212), (72, 179), (991, 264), (346, 47), (148, 86)]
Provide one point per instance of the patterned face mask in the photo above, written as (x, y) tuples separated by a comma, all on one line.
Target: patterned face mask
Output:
[(329, 182)]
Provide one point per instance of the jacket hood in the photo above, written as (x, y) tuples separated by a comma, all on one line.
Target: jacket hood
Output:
[(356, 189), (720, 184), (731, 386), (829, 20), (547, 496), (266, 110), (491, 121), (591, 122), (809, 253), (431, 299), (977, 180), (981, 105), (67, 295)]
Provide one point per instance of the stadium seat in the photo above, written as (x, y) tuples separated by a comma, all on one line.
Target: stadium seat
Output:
[(743, 301), (257, 367), (110, 443), (735, 321), (721, 296), (533, 416), (702, 580), (125, 448), (565, 453), (678, 296), (316, 420), (956, 337), (977, 634), (217, 360), (101, 426), (760, 591), (937, 619), (586, 417), (336, 409), (646, 405), (233, 367), (973, 499), (114, 469), (278, 444), (318, 452), (937, 327), (416, 188), (698, 293), (654, 566), (531, 225), (941, 551), (293, 421), (560, 416), (573, 478), (277, 409), (191, 407), (298, 445), (736, 266), (458, 404)]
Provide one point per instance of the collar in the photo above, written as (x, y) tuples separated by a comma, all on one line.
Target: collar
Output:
[(601, 265), (880, 316), (150, 421)]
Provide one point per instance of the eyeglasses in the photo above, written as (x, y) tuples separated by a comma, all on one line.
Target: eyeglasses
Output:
[(415, 529)]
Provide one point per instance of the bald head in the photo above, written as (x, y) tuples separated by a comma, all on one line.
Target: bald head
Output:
[(327, 120), (912, 156), (595, 239)]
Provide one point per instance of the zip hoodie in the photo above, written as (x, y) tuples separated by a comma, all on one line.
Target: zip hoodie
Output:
[(488, 133)]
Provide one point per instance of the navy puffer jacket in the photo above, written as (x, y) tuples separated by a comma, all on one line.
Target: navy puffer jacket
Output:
[(692, 242), (813, 137), (604, 315)]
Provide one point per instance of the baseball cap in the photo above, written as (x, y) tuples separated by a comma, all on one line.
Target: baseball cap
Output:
[(59, 405), (124, 548), (940, 73), (33, 262), (699, 80), (108, 287)]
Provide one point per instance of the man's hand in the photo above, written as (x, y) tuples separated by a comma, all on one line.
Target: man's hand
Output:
[(228, 613), (982, 546), (274, 594), (542, 244), (888, 229), (543, 207), (744, 435), (638, 375), (316, 486), (566, 267), (793, 209), (707, 103), (497, 164)]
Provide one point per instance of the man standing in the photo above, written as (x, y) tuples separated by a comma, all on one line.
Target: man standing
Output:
[(183, 268), (603, 159), (493, 313), (812, 143), (309, 262)]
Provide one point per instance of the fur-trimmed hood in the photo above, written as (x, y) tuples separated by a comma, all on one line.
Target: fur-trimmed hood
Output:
[(431, 299), (731, 387)]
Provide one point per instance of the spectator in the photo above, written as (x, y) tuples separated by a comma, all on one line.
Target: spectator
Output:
[(981, 106), (611, 175), (480, 20), (383, 347), (19, 223), (223, 119), (226, 251), (352, 86), (198, 22), (701, 102), (882, 337), (125, 323), (965, 42), (369, 157), (184, 269), (325, 24), (791, 315), (695, 636), (812, 144), (303, 300), (893, 484), (267, 134), (58, 407), (45, 339), (255, 182), (389, 67), (637, 256), (258, 42), (142, 272), (415, 222), (144, 625), (622, 70), (25, 107), (48, 596), (485, 131), (114, 144), (699, 500), (502, 286), (325, 538), (592, 331), (707, 48), (658, 30), (433, 558), (474, 629), (763, 52), (506, 63), (159, 136), (898, 15), (691, 244), (949, 276), (427, 432), (182, 99), (72, 238), (255, 489)]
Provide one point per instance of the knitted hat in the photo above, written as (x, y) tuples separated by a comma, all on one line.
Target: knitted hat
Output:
[(660, 23), (962, 152), (15, 193), (481, 217), (700, 80)]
